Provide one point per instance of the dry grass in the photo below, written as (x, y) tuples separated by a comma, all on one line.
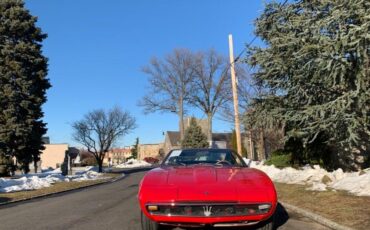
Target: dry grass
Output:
[(338, 206), (57, 187)]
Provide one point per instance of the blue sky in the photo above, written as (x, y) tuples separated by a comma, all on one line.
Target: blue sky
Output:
[(96, 50)]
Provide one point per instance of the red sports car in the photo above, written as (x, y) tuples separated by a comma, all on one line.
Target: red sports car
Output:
[(206, 187)]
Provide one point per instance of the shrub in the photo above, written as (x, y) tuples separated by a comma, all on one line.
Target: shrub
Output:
[(6, 165), (316, 153), (280, 159)]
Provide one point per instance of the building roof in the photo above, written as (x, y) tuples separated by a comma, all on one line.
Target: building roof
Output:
[(174, 137), (73, 152)]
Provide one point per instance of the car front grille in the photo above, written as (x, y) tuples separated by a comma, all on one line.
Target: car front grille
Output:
[(208, 209)]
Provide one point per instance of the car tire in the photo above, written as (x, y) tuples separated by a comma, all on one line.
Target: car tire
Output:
[(267, 225), (148, 224)]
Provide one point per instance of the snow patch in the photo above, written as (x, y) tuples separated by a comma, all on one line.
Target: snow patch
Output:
[(319, 179), (42, 180), (133, 163)]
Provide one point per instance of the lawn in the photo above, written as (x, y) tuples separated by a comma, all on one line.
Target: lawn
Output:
[(57, 187), (338, 206)]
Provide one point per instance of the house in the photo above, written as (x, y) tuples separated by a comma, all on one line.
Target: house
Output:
[(171, 141), (172, 138), (259, 143), (202, 123), (219, 140), (117, 155), (53, 155), (150, 150)]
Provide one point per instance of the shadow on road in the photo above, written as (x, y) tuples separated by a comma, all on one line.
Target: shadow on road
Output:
[(281, 216), (4, 199)]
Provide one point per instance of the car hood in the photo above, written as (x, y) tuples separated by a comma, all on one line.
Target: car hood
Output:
[(201, 182)]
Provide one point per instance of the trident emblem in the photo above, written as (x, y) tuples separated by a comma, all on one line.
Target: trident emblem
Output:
[(207, 210)]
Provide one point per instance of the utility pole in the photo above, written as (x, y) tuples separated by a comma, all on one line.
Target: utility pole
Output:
[(235, 95)]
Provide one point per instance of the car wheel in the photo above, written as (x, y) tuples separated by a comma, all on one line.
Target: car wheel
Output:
[(267, 225), (148, 224)]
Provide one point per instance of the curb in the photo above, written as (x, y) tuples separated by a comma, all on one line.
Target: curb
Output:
[(319, 219), (64, 191)]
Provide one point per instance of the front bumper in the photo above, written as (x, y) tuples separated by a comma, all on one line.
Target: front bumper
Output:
[(208, 209), (221, 225), (214, 214)]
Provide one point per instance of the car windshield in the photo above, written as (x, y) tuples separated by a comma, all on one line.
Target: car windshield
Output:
[(221, 157)]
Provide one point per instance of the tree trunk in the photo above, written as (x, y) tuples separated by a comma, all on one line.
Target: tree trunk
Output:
[(25, 168), (263, 147), (181, 118), (209, 130), (35, 166), (251, 146), (100, 165)]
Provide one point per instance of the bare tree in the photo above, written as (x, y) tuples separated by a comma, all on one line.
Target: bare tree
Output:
[(211, 85), (100, 129), (169, 84)]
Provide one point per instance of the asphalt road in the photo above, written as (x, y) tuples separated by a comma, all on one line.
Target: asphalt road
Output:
[(109, 206)]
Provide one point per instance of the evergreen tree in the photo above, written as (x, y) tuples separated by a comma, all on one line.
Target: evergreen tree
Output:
[(194, 137), (23, 83), (134, 150), (314, 69)]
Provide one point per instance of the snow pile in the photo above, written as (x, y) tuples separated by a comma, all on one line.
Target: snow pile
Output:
[(27, 183), (133, 163), (355, 183), (57, 170), (319, 179), (90, 175), (32, 182)]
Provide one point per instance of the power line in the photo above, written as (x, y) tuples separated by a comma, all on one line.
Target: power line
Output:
[(245, 49), (239, 55)]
